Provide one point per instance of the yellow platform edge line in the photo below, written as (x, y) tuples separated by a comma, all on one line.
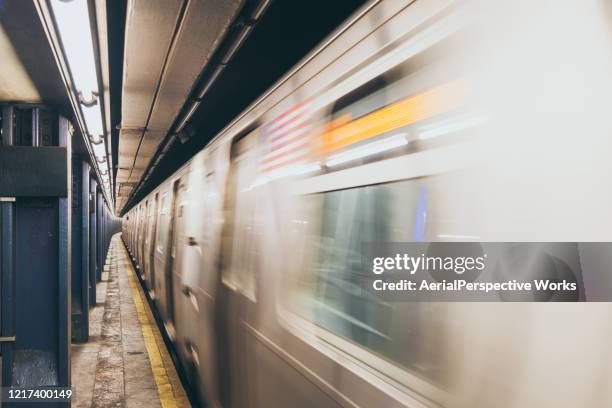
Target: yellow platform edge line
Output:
[(169, 388)]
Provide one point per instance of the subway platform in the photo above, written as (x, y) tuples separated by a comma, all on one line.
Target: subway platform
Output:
[(125, 363)]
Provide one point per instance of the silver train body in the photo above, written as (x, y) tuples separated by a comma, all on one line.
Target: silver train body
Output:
[(392, 130)]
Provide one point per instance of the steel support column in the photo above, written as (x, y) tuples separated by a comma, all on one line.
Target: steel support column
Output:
[(35, 250), (93, 241)]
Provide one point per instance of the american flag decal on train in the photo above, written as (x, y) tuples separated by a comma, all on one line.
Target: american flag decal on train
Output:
[(286, 139)]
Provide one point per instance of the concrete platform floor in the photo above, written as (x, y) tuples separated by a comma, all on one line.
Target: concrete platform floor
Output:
[(125, 363)]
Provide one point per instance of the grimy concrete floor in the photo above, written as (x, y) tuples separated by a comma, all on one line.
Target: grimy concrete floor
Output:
[(125, 363)]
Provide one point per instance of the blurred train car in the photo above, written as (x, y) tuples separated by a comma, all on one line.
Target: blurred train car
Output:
[(251, 251)]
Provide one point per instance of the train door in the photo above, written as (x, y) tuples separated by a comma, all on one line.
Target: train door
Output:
[(150, 246), (132, 229), (194, 304), (236, 293), (175, 232), (141, 238), (132, 226), (160, 253), (136, 224), (147, 243), (135, 232)]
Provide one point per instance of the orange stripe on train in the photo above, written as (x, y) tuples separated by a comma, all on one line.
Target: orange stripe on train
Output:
[(439, 100)]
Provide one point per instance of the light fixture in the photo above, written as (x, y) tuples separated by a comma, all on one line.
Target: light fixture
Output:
[(93, 119), (379, 146), (89, 103), (72, 18), (99, 150), (72, 21)]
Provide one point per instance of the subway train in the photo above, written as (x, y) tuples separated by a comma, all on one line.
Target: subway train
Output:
[(392, 130)]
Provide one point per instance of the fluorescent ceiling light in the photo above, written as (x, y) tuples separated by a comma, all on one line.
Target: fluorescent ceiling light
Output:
[(379, 146), (74, 28), (93, 119), (72, 19), (99, 150)]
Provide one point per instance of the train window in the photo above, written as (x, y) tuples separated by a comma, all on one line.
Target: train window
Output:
[(327, 290), (162, 231), (244, 228), (362, 100), (145, 224), (419, 104), (152, 225)]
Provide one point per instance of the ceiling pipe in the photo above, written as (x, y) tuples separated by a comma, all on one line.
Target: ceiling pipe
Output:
[(244, 25)]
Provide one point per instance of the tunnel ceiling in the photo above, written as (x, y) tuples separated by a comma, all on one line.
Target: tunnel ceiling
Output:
[(28, 70), (167, 44), (286, 32)]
